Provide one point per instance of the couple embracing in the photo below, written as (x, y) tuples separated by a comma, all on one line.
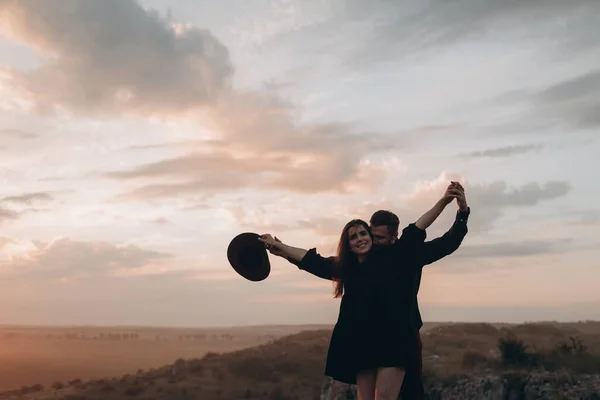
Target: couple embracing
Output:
[(375, 342)]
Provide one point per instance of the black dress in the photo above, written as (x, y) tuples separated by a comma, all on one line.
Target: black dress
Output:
[(374, 327)]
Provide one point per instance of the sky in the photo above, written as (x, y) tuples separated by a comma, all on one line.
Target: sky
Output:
[(137, 138)]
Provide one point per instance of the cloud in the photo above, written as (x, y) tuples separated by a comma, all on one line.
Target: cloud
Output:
[(408, 29), (214, 275), (24, 199), (18, 134), (495, 194), (514, 249), (71, 259), (4, 241), (568, 103), (293, 298), (28, 198), (113, 54), (574, 101), (160, 221), (280, 216), (185, 144), (336, 171), (583, 218), (6, 213), (488, 200), (115, 58), (505, 151)]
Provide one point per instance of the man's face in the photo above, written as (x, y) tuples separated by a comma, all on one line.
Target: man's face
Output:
[(382, 235)]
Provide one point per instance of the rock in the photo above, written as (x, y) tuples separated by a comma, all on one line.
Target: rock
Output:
[(510, 386), (334, 390)]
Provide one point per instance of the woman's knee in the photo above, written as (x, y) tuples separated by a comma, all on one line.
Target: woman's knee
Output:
[(365, 385)]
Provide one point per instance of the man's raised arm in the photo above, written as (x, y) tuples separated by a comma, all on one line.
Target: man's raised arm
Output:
[(452, 192), (450, 241)]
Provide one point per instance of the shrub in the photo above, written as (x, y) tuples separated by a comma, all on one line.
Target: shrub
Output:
[(108, 388), (573, 356), (134, 390), (58, 385), (513, 351), (575, 348)]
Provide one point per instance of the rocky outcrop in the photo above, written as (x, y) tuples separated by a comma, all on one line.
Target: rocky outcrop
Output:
[(509, 386)]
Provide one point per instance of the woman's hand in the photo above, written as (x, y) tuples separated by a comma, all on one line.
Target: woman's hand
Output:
[(272, 244)]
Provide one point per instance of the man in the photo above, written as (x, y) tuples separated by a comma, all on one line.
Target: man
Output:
[(384, 228)]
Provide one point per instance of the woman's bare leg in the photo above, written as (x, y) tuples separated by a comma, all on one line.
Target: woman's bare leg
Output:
[(365, 385), (388, 383)]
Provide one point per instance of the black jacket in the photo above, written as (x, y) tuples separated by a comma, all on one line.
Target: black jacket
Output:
[(432, 251)]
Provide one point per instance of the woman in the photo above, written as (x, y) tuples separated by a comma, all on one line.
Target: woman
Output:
[(373, 340)]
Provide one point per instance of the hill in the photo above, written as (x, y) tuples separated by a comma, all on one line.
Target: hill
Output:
[(462, 361)]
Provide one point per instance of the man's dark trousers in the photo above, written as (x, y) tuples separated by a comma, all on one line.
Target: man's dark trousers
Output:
[(412, 385)]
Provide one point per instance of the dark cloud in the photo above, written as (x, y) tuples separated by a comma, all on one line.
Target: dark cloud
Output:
[(113, 55), (572, 90), (574, 102), (407, 29), (67, 258), (313, 161), (28, 198), (7, 214), (583, 217), (489, 201), (498, 194), (505, 151)]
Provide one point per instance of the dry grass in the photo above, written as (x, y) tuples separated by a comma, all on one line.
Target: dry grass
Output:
[(291, 368), (456, 350)]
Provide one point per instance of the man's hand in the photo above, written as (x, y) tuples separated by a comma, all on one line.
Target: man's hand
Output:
[(461, 199), (454, 191)]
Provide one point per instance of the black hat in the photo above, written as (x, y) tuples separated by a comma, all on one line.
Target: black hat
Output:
[(248, 257)]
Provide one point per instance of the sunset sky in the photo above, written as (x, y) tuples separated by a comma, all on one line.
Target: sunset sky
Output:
[(138, 138)]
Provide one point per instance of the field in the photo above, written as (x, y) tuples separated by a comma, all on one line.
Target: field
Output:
[(32, 355), (269, 363)]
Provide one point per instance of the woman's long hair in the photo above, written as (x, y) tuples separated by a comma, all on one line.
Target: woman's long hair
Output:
[(345, 256)]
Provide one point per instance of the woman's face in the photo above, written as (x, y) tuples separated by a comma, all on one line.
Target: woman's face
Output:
[(359, 240)]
